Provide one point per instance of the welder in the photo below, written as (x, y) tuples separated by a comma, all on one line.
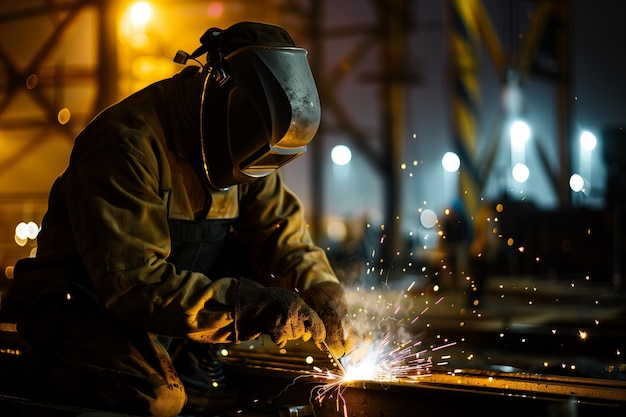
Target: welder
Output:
[(171, 233)]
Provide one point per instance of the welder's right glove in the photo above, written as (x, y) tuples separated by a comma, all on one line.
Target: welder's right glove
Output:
[(327, 299), (280, 313)]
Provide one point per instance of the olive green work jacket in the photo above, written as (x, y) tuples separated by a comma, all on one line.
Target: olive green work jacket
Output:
[(131, 171)]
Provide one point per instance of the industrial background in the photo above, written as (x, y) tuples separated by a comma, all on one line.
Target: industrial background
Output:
[(402, 83), (446, 124)]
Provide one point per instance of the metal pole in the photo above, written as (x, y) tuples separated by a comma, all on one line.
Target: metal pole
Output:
[(107, 71), (464, 39), (394, 58), (317, 148)]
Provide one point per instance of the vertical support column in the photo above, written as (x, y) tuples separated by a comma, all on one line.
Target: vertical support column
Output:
[(564, 99), (465, 95), (317, 148), (394, 56), (107, 71)]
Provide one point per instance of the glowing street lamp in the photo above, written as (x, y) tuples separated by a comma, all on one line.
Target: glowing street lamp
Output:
[(140, 13), (519, 134), (451, 162), (341, 155), (428, 218), (588, 143), (588, 140), (576, 183), (520, 173)]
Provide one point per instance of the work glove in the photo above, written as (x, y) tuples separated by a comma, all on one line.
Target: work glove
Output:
[(280, 313), (328, 301)]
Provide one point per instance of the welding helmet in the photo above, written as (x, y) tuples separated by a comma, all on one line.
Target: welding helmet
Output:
[(260, 107)]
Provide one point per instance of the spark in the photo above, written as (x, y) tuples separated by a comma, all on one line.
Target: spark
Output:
[(443, 346), (386, 355), (382, 361), (391, 347)]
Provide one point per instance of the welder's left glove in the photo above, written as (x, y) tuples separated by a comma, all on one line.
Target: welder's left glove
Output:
[(328, 300)]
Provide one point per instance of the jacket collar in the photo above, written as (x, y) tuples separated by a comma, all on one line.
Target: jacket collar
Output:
[(180, 112)]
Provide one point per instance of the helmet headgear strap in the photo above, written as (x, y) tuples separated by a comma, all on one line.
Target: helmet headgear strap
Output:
[(209, 44)]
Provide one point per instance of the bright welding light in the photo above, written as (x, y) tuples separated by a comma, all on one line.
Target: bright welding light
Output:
[(374, 364)]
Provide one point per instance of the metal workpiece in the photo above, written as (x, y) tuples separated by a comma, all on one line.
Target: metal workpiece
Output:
[(288, 380), (296, 411)]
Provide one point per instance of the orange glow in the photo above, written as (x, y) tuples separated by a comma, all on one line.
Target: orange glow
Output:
[(32, 81), (140, 13), (215, 9), (8, 273), (64, 116)]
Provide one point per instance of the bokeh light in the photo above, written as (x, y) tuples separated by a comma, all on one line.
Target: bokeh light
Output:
[(451, 162), (64, 116), (576, 182), (140, 13), (337, 231), (8, 272), (588, 140), (428, 218), (31, 81), (520, 132), (520, 173), (215, 9), (25, 231), (341, 155)]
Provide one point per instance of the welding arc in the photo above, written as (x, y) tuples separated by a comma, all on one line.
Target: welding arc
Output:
[(334, 358)]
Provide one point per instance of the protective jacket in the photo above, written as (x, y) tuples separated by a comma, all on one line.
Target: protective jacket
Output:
[(134, 180)]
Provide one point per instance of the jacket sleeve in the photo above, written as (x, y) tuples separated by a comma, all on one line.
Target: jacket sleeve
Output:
[(118, 209), (272, 223)]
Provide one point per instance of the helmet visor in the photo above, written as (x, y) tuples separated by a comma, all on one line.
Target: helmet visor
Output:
[(273, 109)]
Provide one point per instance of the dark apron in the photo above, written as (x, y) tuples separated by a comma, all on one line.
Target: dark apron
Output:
[(196, 245)]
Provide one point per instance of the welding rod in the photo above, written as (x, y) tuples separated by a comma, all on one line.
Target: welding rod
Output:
[(334, 358)]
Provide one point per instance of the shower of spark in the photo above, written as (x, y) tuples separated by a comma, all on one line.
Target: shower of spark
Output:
[(381, 361), (389, 352)]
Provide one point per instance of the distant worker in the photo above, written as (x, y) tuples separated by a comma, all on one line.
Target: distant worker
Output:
[(483, 253), (171, 231), (456, 236)]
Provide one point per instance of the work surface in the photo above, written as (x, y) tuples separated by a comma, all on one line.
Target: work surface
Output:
[(531, 348)]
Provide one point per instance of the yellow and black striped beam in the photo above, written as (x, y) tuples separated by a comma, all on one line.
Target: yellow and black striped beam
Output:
[(464, 48)]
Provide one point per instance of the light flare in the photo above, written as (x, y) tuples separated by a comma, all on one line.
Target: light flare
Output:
[(383, 361), (389, 353)]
